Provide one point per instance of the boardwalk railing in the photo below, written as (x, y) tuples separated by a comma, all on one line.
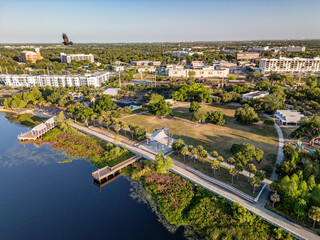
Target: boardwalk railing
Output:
[(38, 130), (107, 171)]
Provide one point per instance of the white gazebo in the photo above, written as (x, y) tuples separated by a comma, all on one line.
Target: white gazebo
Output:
[(159, 141)]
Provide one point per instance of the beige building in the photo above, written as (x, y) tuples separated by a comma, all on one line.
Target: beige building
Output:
[(205, 72), (247, 55), (68, 58), (146, 63), (290, 65)]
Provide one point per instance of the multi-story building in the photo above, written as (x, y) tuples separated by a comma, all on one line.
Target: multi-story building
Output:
[(30, 56), (295, 49), (26, 80), (68, 58), (290, 65), (205, 72), (146, 63), (247, 55), (260, 49)]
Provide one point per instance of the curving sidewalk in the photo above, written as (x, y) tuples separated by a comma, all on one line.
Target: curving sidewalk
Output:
[(280, 156)]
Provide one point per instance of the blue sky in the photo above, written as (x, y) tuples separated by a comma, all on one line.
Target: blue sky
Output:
[(43, 21)]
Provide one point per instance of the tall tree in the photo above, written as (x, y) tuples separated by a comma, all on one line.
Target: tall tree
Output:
[(215, 165), (255, 182), (314, 214), (246, 114), (184, 151), (163, 164), (309, 128)]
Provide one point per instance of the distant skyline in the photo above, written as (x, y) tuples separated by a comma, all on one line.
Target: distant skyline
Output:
[(95, 21)]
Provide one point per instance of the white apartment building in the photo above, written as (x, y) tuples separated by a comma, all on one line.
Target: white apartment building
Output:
[(290, 65), (26, 80), (68, 58), (205, 72)]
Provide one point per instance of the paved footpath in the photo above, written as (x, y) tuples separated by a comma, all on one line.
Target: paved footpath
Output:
[(207, 182), (280, 156)]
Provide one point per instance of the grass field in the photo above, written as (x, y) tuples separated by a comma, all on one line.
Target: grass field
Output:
[(213, 137)]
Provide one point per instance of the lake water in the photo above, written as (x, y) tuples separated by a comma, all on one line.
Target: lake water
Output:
[(41, 199)]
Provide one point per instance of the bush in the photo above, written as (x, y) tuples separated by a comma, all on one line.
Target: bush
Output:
[(288, 150), (269, 121), (246, 114), (217, 117)]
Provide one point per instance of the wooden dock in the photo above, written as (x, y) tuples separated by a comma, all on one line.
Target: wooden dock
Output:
[(38, 130), (106, 172)]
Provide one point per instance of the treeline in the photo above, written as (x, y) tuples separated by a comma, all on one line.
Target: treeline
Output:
[(45, 96), (298, 191)]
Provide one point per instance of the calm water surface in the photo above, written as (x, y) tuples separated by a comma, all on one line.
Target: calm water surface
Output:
[(41, 199)]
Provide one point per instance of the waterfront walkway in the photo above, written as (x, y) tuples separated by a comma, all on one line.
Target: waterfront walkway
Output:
[(38, 130), (107, 171), (209, 183)]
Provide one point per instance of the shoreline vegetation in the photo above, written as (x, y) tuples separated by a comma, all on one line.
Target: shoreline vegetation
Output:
[(78, 144), (210, 216)]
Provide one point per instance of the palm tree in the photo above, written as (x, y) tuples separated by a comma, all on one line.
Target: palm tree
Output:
[(93, 118), (194, 152), (203, 154), (215, 165), (184, 151), (220, 159), (251, 168), (117, 127), (100, 120), (231, 161), (124, 126), (233, 172), (239, 168), (132, 128), (108, 122), (190, 147), (199, 150), (274, 198), (314, 214), (255, 182)]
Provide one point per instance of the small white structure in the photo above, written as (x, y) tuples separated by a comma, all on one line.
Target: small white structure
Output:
[(288, 117), (159, 141), (171, 101), (254, 95), (118, 68), (111, 91)]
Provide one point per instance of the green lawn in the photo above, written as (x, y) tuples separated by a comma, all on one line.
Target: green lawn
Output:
[(213, 137)]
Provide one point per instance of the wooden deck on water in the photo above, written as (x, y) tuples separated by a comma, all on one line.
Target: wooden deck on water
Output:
[(107, 171), (38, 130)]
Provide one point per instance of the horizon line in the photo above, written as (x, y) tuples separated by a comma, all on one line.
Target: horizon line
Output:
[(180, 41)]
